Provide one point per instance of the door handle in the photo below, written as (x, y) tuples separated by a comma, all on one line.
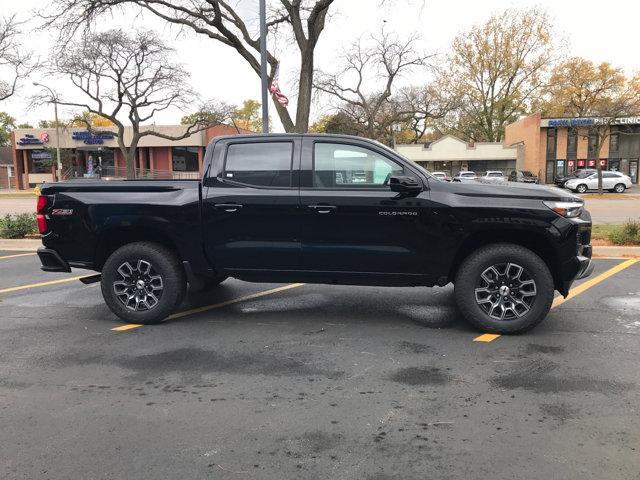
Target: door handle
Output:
[(323, 208), (228, 207)]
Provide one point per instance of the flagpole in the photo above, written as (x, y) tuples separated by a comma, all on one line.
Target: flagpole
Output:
[(263, 66)]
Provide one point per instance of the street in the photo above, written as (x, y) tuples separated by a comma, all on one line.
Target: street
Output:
[(315, 382)]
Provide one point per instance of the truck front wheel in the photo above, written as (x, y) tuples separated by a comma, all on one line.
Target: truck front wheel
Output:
[(143, 282), (504, 288)]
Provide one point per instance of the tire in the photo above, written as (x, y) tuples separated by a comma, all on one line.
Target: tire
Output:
[(207, 284), (619, 188), (582, 188), (527, 304), (162, 286)]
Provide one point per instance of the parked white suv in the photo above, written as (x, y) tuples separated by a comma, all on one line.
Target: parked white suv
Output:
[(612, 181), (495, 177), (465, 177)]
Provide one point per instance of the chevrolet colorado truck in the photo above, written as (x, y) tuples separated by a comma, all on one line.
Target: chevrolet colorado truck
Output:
[(318, 209)]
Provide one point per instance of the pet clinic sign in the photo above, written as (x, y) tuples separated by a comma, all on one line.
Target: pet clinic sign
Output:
[(587, 122)]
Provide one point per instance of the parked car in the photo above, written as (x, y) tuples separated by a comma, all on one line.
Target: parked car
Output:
[(522, 176), (612, 181), (583, 173), (442, 176), (493, 176), (259, 216), (465, 177)]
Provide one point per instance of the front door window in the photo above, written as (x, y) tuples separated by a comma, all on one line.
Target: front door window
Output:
[(347, 166)]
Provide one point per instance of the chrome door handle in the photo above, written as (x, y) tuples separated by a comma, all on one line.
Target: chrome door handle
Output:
[(228, 207), (323, 208)]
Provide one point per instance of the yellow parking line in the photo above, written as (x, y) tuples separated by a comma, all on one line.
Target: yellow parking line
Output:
[(488, 337), (217, 305), (594, 281), (128, 326), (18, 255), (41, 284)]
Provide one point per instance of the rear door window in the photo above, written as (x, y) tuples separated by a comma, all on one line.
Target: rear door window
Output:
[(259, 164)]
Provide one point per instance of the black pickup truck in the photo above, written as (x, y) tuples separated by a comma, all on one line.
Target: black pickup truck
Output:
[(318, 209)]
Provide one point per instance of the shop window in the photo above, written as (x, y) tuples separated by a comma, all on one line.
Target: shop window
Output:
[(592, 145), (40, 161), (550, 172), (551, 142), (185, 159), (572, 143), (261, 164), (613, 143)]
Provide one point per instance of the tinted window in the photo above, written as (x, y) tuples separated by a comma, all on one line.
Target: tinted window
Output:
[(260, 164), (185, 159), (609, 175), (337, 166)]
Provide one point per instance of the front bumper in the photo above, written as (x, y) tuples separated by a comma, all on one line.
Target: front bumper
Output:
[(52, 261)]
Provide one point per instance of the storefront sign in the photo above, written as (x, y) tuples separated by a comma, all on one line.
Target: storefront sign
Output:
[(571, 163), (592, 163), (29, 140), (581, 163), (44, 137), (580, 122), (571, 122), (40, 155), (603, 163), (91, 139)]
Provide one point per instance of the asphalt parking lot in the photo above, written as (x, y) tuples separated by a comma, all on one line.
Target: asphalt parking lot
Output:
[(315, 382)]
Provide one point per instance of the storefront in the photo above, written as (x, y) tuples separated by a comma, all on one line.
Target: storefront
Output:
[(558, 146), (87, 155), (452, 155)]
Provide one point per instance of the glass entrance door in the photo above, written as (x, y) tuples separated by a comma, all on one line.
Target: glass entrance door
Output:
[(633, 170)]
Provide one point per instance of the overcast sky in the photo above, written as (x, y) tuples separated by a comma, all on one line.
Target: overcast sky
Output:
[(585, 28)]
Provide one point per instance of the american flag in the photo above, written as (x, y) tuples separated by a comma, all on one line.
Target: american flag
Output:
[(275, 89)]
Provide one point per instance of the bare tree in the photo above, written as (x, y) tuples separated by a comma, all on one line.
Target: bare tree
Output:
[(363, 87), (14, 64), (127, 80), (421, 108), (222, 22)]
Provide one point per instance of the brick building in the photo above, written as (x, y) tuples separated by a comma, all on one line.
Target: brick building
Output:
[(557, 146), (87, 156)]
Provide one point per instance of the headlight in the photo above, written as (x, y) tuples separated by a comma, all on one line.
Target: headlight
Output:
[(566, 209)]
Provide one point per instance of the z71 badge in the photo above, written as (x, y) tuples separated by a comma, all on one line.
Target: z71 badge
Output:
[(61, 212)]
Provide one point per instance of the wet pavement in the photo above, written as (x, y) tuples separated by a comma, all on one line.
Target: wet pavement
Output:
[(315, 382)]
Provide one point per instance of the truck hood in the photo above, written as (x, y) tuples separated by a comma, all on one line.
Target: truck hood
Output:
[(513, 190)]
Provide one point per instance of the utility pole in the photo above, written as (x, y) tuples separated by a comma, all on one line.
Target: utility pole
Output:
[(263, 66), (54, 99)]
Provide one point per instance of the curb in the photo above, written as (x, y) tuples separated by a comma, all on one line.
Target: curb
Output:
[(616, 251), (20, 244)]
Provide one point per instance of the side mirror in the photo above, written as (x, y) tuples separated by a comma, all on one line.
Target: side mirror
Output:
[(405, 184)]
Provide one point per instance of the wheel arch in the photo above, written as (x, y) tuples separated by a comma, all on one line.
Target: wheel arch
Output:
[(535, 241), (113, 239)]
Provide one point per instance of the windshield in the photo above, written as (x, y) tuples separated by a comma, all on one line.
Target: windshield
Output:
[(527, 173)]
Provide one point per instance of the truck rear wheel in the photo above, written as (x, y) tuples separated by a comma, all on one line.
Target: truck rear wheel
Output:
[(143, 282), (504, 288)]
